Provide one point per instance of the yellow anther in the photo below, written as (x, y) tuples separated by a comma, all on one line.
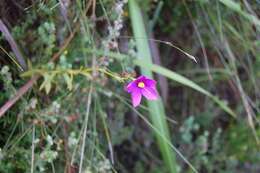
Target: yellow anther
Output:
[(141, 85)]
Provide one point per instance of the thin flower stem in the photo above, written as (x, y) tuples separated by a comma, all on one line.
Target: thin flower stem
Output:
[(81, 71), (33, 147), (85, 130)]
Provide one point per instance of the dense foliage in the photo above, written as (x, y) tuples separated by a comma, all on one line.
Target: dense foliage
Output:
[(79, 55)]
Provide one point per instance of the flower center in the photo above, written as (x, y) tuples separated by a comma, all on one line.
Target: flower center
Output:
[(141, 85)]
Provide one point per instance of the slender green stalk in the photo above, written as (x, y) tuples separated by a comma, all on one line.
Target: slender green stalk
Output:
[(156, 108), (82, 152), (33, 148), (235, 6), (170, 75)]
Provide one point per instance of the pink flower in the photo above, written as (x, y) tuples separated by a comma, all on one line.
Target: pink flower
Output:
[(142, 86)]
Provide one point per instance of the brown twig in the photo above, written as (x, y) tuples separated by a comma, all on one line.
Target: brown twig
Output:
[(19, 94), (7, 35), (26, 87)]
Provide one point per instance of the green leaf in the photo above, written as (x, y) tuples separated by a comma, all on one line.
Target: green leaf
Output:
[(47, 80), (156, 108), (185, 81), (68, 79), (171, 75)]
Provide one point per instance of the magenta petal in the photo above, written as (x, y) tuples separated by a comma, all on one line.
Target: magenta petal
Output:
[(136, 97), (140, 78), (150, 93), (131, 87), (150, 82), (147, 89)]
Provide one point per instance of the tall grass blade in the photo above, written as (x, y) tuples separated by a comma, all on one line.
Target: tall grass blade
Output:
[(185, 81), (235, 6), (169, 74), (156, 108), (7, 35)]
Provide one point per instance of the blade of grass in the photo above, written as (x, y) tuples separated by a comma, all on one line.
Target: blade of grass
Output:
[(156, 108), (82, 152), (235, 6), (33, 148), (155, 130), (183, 80), (107, 130), (169, 74), (7, 35), (12, 58)]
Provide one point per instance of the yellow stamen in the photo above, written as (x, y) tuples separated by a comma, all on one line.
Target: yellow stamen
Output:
[(141, 85)]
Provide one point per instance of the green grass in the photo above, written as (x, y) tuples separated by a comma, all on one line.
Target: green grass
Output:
[(156, 109), (86, 122)]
